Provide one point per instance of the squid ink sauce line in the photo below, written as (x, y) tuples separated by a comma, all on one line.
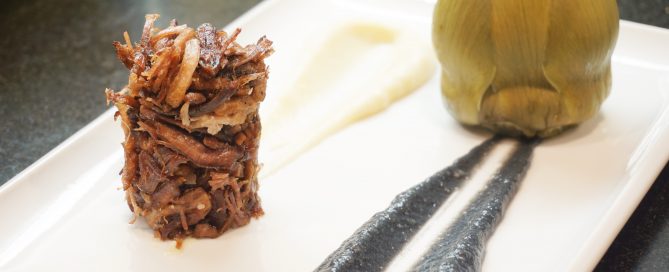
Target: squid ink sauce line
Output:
[(375, 243), (461, 247)]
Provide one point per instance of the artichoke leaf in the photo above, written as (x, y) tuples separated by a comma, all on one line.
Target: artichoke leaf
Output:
[(465, 50), (578, 55)]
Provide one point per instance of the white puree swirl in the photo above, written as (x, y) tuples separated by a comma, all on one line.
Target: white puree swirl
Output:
[(359, 70)]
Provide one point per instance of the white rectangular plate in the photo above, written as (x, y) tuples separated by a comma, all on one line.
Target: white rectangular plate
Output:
[(66, 211)]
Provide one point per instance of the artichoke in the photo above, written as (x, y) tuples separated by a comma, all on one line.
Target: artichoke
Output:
[(525, 67)]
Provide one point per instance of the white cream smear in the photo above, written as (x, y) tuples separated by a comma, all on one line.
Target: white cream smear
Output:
[(358, 71)]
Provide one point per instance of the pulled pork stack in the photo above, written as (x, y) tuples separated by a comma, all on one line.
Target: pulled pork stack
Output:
[(190, 118)]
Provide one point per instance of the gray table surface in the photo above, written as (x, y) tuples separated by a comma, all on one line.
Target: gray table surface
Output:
[(56, 59)]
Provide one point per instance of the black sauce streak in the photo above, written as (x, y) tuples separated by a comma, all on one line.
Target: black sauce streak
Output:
[(461, 247), (375, 243)]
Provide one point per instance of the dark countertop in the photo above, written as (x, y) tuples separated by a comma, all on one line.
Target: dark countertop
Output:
[(57, 60)]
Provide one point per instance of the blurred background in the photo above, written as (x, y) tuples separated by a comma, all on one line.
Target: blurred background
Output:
[(57, 59)]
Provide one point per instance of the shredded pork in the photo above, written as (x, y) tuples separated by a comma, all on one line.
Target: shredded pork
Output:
[(190, 118)]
